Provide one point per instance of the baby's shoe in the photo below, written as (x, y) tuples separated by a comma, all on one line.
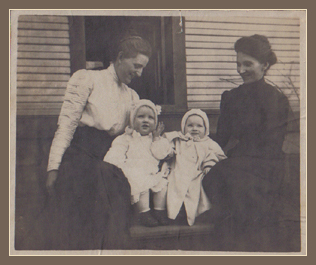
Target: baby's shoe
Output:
[(162, 217), (147, 219)]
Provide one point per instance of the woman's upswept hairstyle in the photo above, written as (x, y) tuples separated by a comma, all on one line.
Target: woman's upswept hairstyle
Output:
[(258, 47), (130, 46)]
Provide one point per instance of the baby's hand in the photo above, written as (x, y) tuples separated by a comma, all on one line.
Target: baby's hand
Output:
[(157, 133), (206, 170), (129, 130)]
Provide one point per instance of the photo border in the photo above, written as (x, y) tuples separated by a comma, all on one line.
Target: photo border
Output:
[(150, 251)]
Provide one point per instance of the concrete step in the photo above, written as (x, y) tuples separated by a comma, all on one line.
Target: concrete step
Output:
[(141, 232)]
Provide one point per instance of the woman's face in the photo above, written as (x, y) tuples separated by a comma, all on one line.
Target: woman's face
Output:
[(128, 68), (144, 121), (195, 126), (249, 68)]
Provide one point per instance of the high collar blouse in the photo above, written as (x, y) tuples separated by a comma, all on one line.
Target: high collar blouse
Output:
[(95, 99)]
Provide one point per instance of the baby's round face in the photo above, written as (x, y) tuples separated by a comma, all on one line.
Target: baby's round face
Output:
[(195, 126), (144, 121)]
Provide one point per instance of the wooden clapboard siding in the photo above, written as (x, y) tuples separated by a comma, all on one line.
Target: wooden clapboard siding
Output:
[(239, 26), (210, 78), (43, 33), (234, 32), (43, 48), (42, 77), (43, 55), (43, 19), (43, 64), (195, 53), (34, 40), (40, 85), (258, 20), (233, 72), (49, 108), (210, 38), (211, 59), (43, 69), (216, 97), (41, 91), (295, 105), (216, 65), (40, 98), (43, 25), (207, 56), (216, 44)]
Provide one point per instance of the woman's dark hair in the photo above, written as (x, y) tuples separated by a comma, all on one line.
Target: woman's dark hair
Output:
[(258, 47), (130, 46)]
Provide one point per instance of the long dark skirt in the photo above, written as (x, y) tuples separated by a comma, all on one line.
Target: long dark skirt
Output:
[(91, 206), (245, 195)]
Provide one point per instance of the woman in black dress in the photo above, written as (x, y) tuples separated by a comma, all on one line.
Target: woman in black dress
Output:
[(244, 188)]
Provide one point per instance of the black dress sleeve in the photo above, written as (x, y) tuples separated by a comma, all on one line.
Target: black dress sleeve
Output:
[(224, 124), (274, 126)]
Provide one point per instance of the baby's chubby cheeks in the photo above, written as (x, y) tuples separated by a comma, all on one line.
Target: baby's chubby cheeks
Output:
[(144, 116), (195, 126), (145, 121), (195, 123)]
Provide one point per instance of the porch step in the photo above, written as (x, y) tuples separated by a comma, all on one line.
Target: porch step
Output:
[(162, 232)]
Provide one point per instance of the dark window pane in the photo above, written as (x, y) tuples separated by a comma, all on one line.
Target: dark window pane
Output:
[(156, 82)]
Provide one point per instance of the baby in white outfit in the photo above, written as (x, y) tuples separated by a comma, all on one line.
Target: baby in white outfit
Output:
[(194, 154), (138, 153)]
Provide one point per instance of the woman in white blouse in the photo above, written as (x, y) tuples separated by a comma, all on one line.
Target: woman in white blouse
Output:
[(92, 196)]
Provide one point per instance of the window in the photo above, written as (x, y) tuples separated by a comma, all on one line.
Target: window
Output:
[(157, 81)]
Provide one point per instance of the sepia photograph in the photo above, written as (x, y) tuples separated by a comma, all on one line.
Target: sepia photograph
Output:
[(158, 132)]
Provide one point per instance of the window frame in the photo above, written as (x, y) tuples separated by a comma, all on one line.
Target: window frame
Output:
[(78, 59), (179, 68)]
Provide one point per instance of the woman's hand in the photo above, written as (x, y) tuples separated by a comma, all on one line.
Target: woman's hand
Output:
[(157, 133), (50, 182)]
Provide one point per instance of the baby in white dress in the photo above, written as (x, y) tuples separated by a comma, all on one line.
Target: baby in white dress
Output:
[(138, 153), (194, 154)]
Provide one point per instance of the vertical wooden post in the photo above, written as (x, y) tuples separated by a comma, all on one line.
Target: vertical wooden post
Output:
[(77, 43), (163, 60), (179, 62)]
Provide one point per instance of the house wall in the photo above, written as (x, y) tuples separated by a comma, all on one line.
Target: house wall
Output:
[(44, 59), (43, 64)]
